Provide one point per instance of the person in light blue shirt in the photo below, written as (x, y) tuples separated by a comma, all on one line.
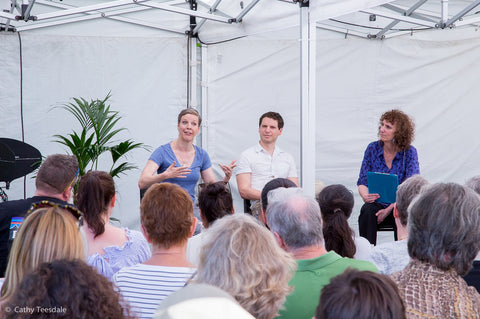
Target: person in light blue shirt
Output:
[(180, 162), (393, 256)]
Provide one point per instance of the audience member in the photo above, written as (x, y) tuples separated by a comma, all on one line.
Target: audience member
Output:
[(273, 184), (473, 276), (358, 294), (214, 201), (65, 289), (336, 204), (200, 301), (109, 248), (241, 257), (296, 223), (54, 182), (166, 215), (393, 256), (46, 234), (444, 237)]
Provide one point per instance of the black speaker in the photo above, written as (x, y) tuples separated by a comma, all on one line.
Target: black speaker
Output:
[(17, 159)]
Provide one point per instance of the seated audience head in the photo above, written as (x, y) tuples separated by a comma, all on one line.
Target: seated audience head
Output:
[(406, 192), (358, 294), (474, 183), (214, 201), (444, 227), (72, 288), (95, 197), (166, 214), (274, 184), (241, 257), (46, 234), (336, 204), (57, 176), (295, 219)]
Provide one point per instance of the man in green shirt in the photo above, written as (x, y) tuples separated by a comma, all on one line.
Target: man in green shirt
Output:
[(296, 223)]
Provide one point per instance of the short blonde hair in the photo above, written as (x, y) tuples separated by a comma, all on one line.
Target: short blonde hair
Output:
[(47, 234), (242, 257)]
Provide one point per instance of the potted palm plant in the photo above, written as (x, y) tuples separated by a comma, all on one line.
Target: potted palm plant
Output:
[(97, 136)]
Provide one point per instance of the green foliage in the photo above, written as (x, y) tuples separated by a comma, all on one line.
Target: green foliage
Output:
[(97, 136)]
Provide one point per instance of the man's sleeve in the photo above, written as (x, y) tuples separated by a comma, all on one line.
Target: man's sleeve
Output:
[(243, 165), (292, 172)]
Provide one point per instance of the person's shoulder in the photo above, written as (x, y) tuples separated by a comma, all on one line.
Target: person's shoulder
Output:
[(21, 206), (358, 264), (411, 149), (374, 145), (200, 150), (251, 149)]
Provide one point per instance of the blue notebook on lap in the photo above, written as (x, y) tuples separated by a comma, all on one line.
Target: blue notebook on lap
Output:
[(384, 185)]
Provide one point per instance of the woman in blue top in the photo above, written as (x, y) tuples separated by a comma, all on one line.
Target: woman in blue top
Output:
[(180, 162), (391, 154)]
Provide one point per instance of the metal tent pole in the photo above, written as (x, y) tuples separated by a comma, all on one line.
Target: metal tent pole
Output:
[(307, 99)]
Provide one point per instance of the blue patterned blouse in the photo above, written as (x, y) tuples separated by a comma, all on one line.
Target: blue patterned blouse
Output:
[(404, 164)]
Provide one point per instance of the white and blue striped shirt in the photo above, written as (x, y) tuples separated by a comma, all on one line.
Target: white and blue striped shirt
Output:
[(144, 286)]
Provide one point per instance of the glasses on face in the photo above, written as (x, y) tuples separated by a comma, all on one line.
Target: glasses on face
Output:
[(70, 208), (73, 180)]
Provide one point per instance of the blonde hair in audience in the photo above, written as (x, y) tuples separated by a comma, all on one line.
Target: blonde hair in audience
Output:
[(45, 235), (242, 257)]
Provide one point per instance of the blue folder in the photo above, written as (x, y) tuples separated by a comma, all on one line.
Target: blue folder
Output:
[(384, 185)]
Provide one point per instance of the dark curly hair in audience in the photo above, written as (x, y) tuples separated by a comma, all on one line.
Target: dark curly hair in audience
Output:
[(405, 128), (66, 289), (336, 203), (215, 201), (356, 294), (95, 192)]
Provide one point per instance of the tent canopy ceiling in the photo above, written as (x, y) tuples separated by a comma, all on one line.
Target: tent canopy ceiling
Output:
[(221, 20)]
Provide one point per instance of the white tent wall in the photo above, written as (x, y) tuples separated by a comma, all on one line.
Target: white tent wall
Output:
[(145, 75), (430, 75), (247, 78)]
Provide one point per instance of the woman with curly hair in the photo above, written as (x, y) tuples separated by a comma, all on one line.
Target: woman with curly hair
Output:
[(391, 154), (242, 257), (65, 289), (336, 204), (110, 248)]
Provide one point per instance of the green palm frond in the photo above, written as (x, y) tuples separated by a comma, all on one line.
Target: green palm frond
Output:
[(99, 130)]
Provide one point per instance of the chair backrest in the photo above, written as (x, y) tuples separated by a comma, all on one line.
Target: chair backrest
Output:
[(246, 206)]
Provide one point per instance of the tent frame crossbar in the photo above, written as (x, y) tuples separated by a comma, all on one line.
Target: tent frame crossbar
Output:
[(418, 18), (103, 11), (95, 15), (408, 12)]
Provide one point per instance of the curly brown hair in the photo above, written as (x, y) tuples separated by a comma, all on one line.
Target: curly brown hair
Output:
[(166, 214), (65, 289), (405, 128)]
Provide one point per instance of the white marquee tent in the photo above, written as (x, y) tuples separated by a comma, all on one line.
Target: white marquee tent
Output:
[(330, 69)]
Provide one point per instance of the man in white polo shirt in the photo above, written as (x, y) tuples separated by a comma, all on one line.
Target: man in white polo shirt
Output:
[(265, 161)]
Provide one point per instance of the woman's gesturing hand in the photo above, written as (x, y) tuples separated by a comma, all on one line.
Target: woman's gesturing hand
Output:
[(228, 170), (179, 172)]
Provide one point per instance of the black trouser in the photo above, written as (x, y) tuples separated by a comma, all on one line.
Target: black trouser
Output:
[(367, 222)]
